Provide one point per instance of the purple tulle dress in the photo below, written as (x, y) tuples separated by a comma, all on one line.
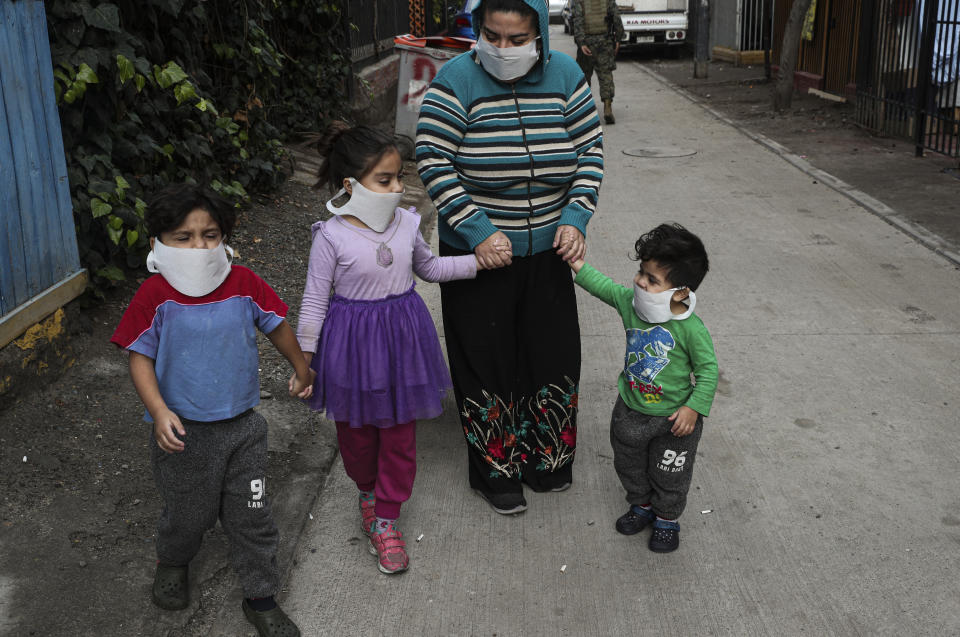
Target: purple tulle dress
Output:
[(379, 362), (377, 357)]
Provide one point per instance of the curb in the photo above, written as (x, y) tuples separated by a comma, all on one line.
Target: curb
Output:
[(862, 199)]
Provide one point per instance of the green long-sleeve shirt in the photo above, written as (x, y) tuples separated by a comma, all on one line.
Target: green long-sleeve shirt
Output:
[(659, 357)]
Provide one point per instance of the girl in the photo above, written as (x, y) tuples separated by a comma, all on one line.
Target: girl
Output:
[(365, 331)]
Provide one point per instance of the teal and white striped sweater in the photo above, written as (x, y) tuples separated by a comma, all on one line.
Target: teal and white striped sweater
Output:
[(521, 158)]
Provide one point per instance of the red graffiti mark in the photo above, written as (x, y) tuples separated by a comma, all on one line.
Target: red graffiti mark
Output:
[(423, 69)]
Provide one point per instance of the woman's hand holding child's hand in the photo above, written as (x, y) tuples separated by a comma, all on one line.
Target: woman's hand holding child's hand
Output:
[(570, 243), (494, 252), (166, 425), (302, 387), (684, 421)]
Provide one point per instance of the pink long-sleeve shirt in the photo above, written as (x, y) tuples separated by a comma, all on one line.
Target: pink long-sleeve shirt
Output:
[(343, 261)]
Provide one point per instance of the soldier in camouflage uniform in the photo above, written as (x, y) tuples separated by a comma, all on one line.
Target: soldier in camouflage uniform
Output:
[(597, 30)]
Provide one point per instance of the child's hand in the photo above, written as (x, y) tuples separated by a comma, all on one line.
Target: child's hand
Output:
[(569, 243), (166, 425), (684, 421), (576, 264), (302, 387)]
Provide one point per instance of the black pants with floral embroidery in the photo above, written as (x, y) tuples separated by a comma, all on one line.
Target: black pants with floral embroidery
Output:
[(513, 341)]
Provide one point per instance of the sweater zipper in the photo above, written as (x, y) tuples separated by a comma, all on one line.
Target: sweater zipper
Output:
[(526, 147)]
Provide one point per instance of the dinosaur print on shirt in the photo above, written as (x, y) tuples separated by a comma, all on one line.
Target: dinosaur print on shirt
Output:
[(646, 354)]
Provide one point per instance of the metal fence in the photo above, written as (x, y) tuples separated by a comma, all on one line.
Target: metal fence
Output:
[(909, 76), (755, 16), (373, 25)]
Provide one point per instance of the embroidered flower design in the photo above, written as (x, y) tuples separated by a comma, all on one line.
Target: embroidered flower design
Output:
[(503, 433)]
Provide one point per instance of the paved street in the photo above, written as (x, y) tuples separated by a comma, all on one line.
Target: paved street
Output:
[(825, 499)]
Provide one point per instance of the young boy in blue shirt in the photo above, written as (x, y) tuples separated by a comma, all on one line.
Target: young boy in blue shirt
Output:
[(658, 417), (190, 332)]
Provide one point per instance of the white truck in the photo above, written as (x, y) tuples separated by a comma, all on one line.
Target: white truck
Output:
[(653, 22)]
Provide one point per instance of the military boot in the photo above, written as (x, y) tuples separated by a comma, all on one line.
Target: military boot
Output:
[(608, 112)]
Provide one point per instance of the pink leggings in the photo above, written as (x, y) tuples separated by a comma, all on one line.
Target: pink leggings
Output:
[(381, 460)]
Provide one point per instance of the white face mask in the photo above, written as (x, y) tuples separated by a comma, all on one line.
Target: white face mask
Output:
[(510, 63), (191, 271), (376, 209), (654, 307)]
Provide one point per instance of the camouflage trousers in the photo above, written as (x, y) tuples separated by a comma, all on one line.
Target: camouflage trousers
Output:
[(603, 60)]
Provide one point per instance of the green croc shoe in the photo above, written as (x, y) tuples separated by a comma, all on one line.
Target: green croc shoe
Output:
[(170, 588), (271, 623)]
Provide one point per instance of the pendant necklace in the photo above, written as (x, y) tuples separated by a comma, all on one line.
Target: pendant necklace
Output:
[(384, 253)]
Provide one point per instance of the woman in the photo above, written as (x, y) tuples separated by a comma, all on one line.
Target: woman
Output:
[(509, 147)]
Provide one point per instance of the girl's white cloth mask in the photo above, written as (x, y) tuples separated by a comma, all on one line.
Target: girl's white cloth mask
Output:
[(375, 209), (191, 271), (654, 307), (509, 63)]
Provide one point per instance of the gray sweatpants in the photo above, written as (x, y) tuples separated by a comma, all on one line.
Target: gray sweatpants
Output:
[(219, 474), (653, 465)]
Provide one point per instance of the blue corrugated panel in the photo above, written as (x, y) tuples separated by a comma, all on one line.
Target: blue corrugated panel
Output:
[(38, 246)]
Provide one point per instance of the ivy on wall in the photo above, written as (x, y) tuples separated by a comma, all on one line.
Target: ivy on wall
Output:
[(160, 91)]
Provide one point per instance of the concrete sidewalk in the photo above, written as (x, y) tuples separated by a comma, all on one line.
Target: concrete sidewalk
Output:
[(825, 499)]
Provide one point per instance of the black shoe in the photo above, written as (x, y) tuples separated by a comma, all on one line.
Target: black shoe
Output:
[(631, 522), (170, 588), (270, 623), (505, 503), (665, 537), (548, 487)]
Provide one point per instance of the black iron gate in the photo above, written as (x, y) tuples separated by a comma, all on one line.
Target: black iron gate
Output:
[(907, 80), (372, 25)]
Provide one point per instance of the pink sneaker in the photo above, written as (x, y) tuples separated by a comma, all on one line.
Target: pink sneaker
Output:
[(367, 516), (390, 548)]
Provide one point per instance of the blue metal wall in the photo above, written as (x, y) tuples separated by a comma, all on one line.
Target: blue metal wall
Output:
[(38, 245)]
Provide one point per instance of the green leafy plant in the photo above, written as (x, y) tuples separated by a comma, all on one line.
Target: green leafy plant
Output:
[(163, 91)]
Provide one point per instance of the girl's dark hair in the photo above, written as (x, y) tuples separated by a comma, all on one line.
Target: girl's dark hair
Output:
[(677, 250), (508, 6), (349, 152), (169, 206)]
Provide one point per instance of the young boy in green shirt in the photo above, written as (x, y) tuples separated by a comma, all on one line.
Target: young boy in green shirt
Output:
[(658, 418)]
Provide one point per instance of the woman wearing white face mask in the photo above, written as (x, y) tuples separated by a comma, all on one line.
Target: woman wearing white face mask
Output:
[(509, 147), (367, 333)]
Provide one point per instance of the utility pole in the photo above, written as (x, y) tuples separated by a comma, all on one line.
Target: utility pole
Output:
[(701, 56)]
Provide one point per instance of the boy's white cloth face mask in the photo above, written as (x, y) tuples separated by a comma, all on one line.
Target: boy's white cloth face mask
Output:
[(510, 63), (654, 307), (375, 209), (191, 271)]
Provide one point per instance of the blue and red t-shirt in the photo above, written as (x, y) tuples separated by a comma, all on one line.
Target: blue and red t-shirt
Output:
[(204, 348)]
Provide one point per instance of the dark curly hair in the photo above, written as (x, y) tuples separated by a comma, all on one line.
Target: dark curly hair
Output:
[(168, 207), (677, 250), (349, 151)]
